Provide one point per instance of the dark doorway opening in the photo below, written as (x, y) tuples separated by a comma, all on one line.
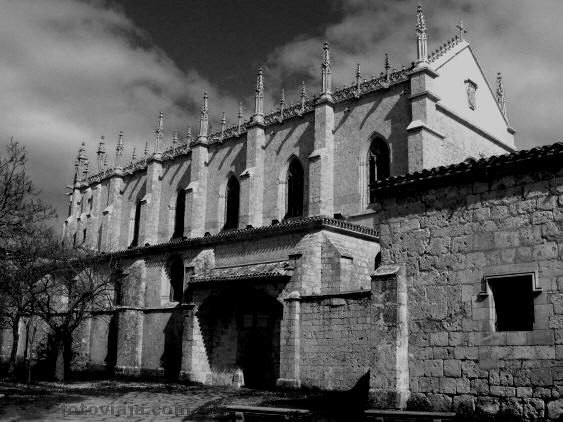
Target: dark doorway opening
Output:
[(241, 329)]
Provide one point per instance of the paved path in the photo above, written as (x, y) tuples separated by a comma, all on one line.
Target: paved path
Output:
[(114, 402), (131, 401)]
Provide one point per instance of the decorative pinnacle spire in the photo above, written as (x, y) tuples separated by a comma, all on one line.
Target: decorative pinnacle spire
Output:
[(303, 97), (462, 29), (358, 80), (326, 72), (259, 97), (106, 164), (119, 150), (387, 67), (101, 153), (158, 133), (134, 155), (146, 149), (188, 135), (174, 140), (282, 104), (223, 124), (81, 162), (501, 100), (421, 37), (239, 118), (204, 119)]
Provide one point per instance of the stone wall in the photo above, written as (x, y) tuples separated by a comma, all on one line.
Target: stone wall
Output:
[(335, 333), (449, 238)]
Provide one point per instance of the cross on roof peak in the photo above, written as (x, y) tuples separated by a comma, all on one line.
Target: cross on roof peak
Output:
[(462, 29)]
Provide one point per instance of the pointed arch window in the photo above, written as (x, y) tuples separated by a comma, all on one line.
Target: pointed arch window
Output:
[(294, 189), (179, 214), (232, 200), (136, 225), (378, 161)]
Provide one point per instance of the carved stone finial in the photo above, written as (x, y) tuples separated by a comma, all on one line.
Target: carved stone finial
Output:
[(239, 118), (421, 38), (387, 67), (81, 163), (204, 119), (134, 155), (101, 153), (146, 149), (188, 138), (303, 97), (259, 96), (501, 99), (158, 133), (282, 104), (106, 163), (174, 140), (358, 80), (326, 72), (462, 29), (119, 150), (223, 125)]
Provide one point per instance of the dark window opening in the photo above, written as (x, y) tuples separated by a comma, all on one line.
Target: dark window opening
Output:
[(232, 204), (180, 213), (378, 159), (74, 240), (83, 236), (176, 280), (137, 225), (90, 204), (294, 190), (514, 302)]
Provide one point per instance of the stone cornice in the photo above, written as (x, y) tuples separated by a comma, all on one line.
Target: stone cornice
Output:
[(290, 226)]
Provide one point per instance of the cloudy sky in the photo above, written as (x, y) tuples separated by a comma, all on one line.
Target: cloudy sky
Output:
[(72, 70)]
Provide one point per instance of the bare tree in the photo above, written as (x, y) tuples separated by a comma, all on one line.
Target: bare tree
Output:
[(77, 283), (23, 227)]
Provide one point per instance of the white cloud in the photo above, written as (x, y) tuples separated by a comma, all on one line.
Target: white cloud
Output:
[(72, 71)]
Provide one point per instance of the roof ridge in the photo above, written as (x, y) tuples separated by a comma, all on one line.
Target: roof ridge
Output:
[(469, 165), (444, 48)]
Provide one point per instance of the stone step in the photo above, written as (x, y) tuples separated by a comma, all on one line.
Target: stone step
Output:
[(256, 413)]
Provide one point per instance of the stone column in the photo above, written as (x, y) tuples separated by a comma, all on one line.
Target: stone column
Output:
[(423, 138), (130, 321), (252, 178), (153, 190), (196, 192), (195, 365), (321, 160), (112, 214), (290, 343), (389, 367)]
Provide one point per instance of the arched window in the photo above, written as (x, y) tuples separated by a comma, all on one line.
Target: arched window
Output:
[(179, 216), (232, 204), (176, 280), (378, 159), (136, 225), (294, 189)]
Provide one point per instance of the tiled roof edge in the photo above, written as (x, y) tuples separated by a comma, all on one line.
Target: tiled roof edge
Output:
[(289, 226), (480, 169)]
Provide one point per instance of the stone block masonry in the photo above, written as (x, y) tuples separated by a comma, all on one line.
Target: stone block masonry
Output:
[(451, 238)]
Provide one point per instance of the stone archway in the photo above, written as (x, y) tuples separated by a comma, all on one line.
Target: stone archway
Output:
[(241, 331)]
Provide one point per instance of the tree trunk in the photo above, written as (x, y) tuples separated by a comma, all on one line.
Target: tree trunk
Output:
[(13, 354), (60, 364)]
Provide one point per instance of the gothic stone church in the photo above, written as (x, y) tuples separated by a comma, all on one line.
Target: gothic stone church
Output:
[(389, 227)]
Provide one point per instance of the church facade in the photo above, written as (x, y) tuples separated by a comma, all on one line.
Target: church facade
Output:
[(388, 229)]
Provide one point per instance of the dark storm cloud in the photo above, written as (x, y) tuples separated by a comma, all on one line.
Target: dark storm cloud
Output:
[(74, 70)]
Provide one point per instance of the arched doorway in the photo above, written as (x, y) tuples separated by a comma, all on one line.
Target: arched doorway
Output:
[(241, 330)]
